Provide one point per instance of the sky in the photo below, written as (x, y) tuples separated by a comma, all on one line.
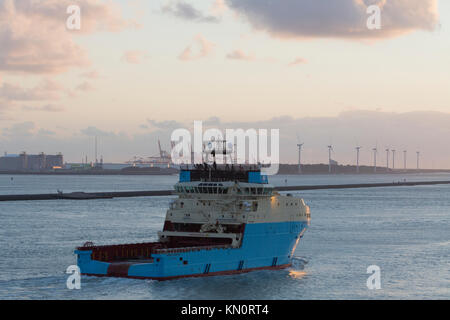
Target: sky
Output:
[(136, 70)]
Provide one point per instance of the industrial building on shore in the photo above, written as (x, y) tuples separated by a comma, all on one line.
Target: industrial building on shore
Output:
[(31, 162)]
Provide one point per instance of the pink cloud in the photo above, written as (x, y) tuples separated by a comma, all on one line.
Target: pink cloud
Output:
[(200, 48), (85, 86), (91, 75), (240, 55), (134, 57), (298, 61), (34, 38), (46, 108), (46, 90)]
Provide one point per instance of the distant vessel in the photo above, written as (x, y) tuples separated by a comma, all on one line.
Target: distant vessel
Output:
[(162, 160), (227, 219), (149, 170)]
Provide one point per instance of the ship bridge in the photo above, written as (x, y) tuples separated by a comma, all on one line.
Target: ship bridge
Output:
[(223, 173)]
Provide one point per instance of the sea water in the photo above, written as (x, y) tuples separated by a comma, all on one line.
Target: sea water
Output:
[(405, 231)]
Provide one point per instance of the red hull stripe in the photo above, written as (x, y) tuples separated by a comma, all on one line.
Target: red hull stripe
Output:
[(219, 273)]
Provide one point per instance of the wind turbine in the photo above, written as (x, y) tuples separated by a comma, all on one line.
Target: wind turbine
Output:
[(387, 159), (300, 145), (330, 148), (393, 159), (404, 159), (418, 156), (357, 158), (96, 160), (375, 151)]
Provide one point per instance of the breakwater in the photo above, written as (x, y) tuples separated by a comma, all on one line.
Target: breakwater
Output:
[(160, 193)]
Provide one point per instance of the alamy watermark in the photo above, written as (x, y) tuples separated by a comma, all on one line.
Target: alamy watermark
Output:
[(203, 145), (374, 20), (73, 22), (374, 280), (74, 280)]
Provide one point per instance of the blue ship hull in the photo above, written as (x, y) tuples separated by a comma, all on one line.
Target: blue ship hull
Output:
[(264, 246)]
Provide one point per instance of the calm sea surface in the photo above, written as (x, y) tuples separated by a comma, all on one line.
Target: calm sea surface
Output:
[(403, 230)]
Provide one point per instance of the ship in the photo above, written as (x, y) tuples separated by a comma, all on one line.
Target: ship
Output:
[(226, 219), (160, 164)]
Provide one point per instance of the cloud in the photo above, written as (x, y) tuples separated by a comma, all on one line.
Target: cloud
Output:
[(134, 57), (200, 48), (34, 38), (186, 11), (46, 90), (93, 131), (298, 61), (412, 131), (20, 130), (91, 75), (218, 7), (46, 108), (240, 55), (44, 132), (85, 87), (336, 19), (162, 125)]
